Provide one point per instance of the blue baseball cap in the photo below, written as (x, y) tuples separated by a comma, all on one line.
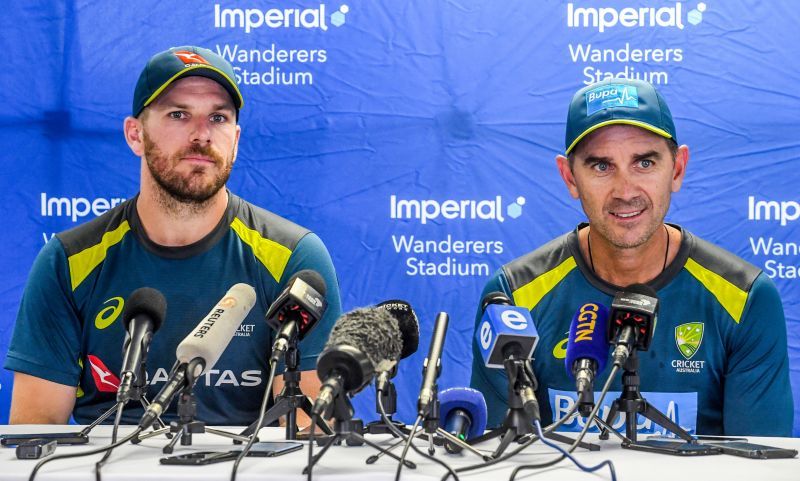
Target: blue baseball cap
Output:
[(617, 101), (166, 67)]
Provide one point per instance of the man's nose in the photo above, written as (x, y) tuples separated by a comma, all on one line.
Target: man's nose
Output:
[(201, 133)]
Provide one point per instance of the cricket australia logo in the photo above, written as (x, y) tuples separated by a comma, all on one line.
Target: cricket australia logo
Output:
[(688, 338)]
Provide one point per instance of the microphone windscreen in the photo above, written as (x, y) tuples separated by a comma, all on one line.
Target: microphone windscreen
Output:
[(643, 289), (373, 331), (312, 278), (407, 323), (145, 301), (210, 338), (468, 399), (495, 297), (587, 336)]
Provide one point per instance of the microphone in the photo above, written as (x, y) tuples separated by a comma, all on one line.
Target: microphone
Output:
[(463, 414), (296, 310), (507, 333), (632, 321), (433, 364), (408, 325), (361, 342), (587, 351), (143, 315), (201, 349)]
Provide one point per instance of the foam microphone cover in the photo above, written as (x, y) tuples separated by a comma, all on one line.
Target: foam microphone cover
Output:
[(145, 301), (312, 278), (496, 297), (587, 336), (407, 322), (468, 399), (372, 330), (210, 338)]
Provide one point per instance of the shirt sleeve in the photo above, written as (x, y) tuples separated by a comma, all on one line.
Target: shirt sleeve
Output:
[(491, 382), (758, 396), (46, 341), (311, 253)]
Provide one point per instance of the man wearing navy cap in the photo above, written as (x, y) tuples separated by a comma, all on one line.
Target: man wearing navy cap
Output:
[(718, 362), (183, 234)]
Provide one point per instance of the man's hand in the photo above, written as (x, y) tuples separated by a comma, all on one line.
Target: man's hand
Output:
[(37, 401)]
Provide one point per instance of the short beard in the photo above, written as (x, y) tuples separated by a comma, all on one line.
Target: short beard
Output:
[(177, 192)]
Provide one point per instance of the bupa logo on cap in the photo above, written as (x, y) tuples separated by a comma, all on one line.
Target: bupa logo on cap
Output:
[(189, 58), (609, 96)]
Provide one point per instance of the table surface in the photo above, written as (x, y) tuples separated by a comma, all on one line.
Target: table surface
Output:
[(137, 462)]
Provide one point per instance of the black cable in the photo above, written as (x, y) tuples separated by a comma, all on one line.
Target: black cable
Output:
[(400, 434), (405, 448), (519, 449), (314, 419), (251, 440), (99, 465), (582, 434), (83, 453)]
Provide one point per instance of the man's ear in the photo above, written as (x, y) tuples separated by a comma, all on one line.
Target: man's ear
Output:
[(567, 175), (679, 167), (134, 135)]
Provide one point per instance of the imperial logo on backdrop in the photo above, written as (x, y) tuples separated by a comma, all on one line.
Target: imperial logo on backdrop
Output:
[(630, 60), (265, 63), (449, 256)]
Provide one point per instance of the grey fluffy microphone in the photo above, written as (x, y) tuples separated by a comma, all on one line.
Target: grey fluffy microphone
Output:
[(203, 346), (362, 342)]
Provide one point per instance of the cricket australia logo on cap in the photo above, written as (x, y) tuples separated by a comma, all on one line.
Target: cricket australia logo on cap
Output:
[(611, 95), (189, 58), (688, 338)]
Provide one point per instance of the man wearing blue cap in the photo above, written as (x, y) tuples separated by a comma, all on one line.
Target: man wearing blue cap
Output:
[(183, 234), (718, 363)]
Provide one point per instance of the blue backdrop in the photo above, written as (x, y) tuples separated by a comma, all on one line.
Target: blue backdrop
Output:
[(362, 118)]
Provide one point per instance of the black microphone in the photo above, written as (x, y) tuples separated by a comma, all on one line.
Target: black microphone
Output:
[(362, 342), (632, 321), (408, 325), (296, 310), (202, 348), (143, 315), (433, 364)]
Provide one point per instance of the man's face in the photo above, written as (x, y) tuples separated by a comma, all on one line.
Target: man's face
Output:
[(624, 177), (189, 137)]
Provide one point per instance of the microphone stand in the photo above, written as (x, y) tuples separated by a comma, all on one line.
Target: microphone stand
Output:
[(631, 403), (137, 393), (388, 398), (187, 425), (290, 399), (348, 429), (518, 423)]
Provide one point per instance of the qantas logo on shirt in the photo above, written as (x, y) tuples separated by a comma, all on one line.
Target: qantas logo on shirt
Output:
[(110, 313), (104, 379), (560, 349)]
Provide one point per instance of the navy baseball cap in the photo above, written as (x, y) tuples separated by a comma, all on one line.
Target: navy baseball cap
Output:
[(617, 101), (166, 67)]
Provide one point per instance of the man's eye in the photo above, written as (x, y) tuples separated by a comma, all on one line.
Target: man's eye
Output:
[(218, 118), (176, 115), (646, 163), (601, 166)]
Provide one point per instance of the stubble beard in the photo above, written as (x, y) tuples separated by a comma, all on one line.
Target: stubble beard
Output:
[(184, 193), (619, 241)]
